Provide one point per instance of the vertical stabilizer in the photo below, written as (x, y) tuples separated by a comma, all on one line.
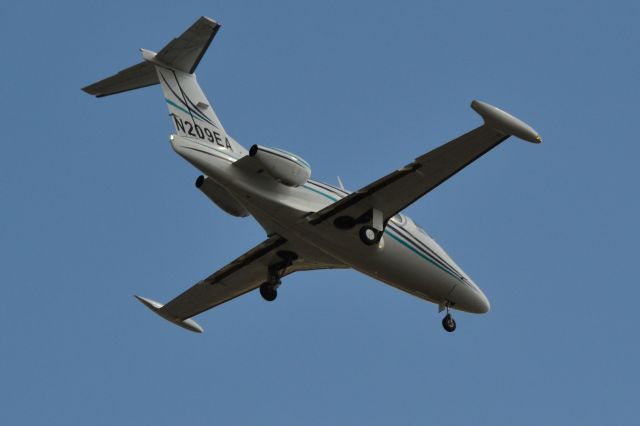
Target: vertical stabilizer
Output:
[(190, 109), (173, 67)]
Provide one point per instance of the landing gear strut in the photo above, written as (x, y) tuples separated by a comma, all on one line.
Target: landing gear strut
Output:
[(371, 233), (448, 322)]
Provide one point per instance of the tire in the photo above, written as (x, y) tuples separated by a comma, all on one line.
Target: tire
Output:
[(449, 323), (369, 236), (268, 292)]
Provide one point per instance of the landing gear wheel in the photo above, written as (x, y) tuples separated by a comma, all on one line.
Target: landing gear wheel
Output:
[(449, 323), (369, 236), (268, 292)]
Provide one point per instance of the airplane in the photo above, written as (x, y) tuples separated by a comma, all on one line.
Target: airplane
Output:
[(309, 224)]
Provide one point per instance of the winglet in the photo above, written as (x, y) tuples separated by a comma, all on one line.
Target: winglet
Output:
[(188, 324), (504, 122)]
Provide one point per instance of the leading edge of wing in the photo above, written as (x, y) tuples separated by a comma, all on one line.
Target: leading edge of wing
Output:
[(187, 324)]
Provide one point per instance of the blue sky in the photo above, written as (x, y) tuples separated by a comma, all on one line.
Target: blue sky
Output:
[(96, 207)]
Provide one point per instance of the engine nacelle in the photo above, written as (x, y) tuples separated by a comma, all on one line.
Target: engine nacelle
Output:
[(283, 166), (221, 197)]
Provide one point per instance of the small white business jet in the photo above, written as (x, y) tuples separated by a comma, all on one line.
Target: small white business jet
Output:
[(310, 225)]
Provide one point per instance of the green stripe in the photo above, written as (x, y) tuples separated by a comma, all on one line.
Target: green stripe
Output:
[(321, 193), (404, 243)]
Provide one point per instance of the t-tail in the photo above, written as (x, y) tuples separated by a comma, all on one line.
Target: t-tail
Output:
[(173, 67)]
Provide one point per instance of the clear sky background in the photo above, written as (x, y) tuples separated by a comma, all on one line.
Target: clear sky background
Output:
[(96, 207)]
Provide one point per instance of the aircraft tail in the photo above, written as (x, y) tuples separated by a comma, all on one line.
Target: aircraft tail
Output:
[(173, 67)]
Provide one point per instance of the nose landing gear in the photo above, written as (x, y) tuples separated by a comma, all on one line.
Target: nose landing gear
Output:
[(448, 322)]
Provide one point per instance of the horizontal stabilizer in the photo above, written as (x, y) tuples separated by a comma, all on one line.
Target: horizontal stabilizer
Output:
[(156, 307), (141, 75)]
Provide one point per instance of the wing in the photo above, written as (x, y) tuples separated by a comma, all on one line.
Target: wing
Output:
[(246, 273), (394, 192)]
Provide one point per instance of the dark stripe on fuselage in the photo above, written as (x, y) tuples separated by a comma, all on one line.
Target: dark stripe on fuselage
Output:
[(340, 193), (418, 244)]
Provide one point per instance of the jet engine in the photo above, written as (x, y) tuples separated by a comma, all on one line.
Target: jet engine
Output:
[(283, 166), (221, 197)]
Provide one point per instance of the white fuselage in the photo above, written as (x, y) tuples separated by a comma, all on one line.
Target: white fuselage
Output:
[(406, 258)]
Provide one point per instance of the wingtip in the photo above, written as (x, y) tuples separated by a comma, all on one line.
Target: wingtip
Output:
[(195, 327), (187, 324), (504, 122), (213, 22), (151, 304)]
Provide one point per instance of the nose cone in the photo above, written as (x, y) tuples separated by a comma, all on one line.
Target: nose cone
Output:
[(470, 298), (482, 303)]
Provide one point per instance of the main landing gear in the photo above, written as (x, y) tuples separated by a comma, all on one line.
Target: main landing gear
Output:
[(269, 289), (369, 235), (448, 322), (372, 228)]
